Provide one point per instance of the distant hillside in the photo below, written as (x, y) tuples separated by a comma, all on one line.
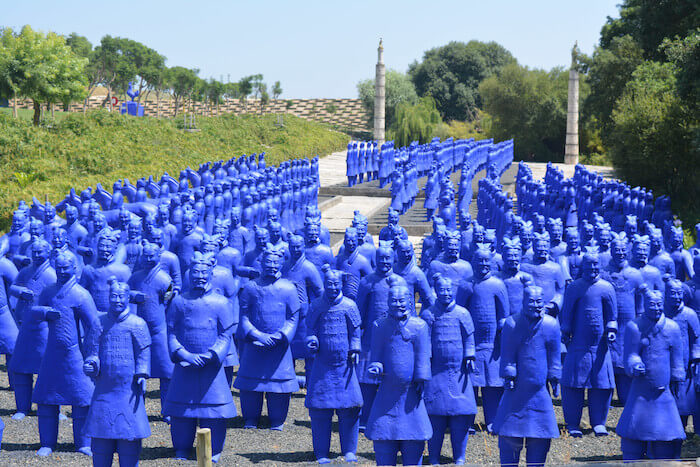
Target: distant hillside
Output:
[(80, 151)]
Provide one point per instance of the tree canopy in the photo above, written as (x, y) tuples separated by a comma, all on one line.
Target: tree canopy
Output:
[(451, 74), (399, 89), (41, 67)]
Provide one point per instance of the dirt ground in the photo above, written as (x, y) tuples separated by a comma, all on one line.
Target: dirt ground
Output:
[(292, 446)]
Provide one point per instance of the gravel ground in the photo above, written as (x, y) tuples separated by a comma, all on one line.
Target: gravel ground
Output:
[(291, 446)]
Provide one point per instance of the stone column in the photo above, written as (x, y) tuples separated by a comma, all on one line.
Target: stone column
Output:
[(571, 149), (379, 96)]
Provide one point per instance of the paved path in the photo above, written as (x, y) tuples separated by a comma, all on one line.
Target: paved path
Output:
[(372, 201)]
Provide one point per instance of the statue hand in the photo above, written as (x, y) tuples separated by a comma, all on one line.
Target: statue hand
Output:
[(141, 384), (420, 387), (354, 358), (510, 383), (53, 314), (639, 369), (566, 338), (90, 368), (312, 344), (263, 339), (469, 365), (612, 336), (674, 386), (375, 369), (137, 297), (205, 358), (26, 294), (554, 386), (186, 358)]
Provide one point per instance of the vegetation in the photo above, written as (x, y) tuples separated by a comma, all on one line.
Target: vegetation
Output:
[(399, 89), (49, 68), (415, 122), (451, 74), (530, 106), (80, 151)]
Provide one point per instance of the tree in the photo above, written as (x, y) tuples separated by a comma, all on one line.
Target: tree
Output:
[(415, 122), (245, 87), (530, 106), (182, 82), (399, 89), (609, 70), (10, 68), (451, 75), (215, 90), (654, 141), (264, 97), (45, 69), (649, 22), (276, 90)]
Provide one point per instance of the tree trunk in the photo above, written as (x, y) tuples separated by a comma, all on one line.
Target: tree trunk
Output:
[(176, 102), (37, 113), (53, 117), (157, 104), (109, 98), (14, 106)]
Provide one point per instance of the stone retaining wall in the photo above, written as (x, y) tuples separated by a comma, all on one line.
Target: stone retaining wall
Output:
[(345, 114)]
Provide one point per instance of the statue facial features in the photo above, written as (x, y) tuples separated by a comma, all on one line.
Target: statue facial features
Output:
[(654, 308), (40, 252), (452, 248), (674, 294), (541, 249), (405, 252), (118, 300), (271, 265), (105, 249), (65, 269), (619, 252), (399, 306), (333, 286), (443, 290), (200, 274), (350, 242), (534, 304), (590, 268), (511, 260), (482, 266), (385, 258)]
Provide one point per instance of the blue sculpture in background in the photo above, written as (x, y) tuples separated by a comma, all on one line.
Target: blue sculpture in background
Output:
[(132, 107)]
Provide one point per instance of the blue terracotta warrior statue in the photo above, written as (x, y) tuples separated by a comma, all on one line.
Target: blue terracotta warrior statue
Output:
[(449, 396), (692, 286), (352, 263), (69, 310), (627, 282), (373, 303), (546, 274), (269, 317), (333, 338), (316, 251), (588, 324), (400, 359), (687, 320), (514, 279), (96, 276), (450, 265), (155, 284), (306, 278), (486, 298), (650, 424), (31, 340), (200, 326), (641, 246), (530, 359), (393, 230), (406, 267), (118, 360)]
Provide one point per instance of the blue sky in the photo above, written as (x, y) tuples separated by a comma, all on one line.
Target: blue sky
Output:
[(320, 48)]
